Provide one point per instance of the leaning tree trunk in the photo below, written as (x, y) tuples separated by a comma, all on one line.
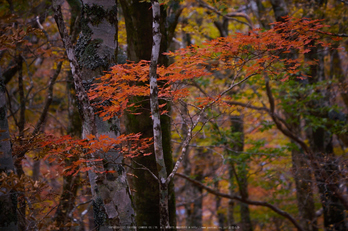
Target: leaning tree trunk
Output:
[(95, 52), (8, 198), (138, 19), (70, 183)]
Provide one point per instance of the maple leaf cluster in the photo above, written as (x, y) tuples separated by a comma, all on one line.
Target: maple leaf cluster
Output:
[(60, 149), (259, 53)]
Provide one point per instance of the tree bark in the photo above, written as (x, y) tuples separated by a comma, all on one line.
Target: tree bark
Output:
[(95, 52), (8, 200), (138, 20), (193, 194), (70, 183), (155, 115), (241, 175), (321, 143)]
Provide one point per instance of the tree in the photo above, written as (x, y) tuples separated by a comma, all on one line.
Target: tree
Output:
[(191, 64), (233, 107), (138, 21), (107, 187), (8, 197)]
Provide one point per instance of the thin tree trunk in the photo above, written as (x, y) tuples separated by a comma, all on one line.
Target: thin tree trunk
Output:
[(304, 190), (138, 20), (231, 204), (193, 194), (8, 200), (241, 175), (155, 114), (260, 13), (220, 215), (70, 183)]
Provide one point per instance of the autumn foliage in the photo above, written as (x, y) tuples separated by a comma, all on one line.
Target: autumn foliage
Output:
[(258, 53)]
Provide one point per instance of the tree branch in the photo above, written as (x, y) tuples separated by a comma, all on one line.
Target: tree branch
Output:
[(48, 99), (247, 201), (230, 16), (314, 162)]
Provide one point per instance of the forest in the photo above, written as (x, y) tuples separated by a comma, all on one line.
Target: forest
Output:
[(174, 115)]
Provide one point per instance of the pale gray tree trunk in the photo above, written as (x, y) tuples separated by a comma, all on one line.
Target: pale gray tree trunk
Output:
[(260, 12), (155, 114), (94, 53)]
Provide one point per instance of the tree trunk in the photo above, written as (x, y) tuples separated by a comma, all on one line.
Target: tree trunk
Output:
[(155, 115), (138, 20), (321, 143), (241, 172), (302, 172), (70, 183), (260, 13), (95, 50), (280, 9), (193, 194), (219, 214), (304, 190), (8, 200), (337, 72), (238, 147)]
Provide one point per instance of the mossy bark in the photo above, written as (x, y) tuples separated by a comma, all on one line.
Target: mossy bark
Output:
[(96, 51), (138, 19), (70, 183)]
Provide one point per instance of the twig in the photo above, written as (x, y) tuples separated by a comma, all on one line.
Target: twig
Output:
[(143, 168)]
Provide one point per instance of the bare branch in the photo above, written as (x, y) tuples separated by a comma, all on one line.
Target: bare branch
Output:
[(314, 161), (229, 16), (247, 201), (48, 99), (142, 168)]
